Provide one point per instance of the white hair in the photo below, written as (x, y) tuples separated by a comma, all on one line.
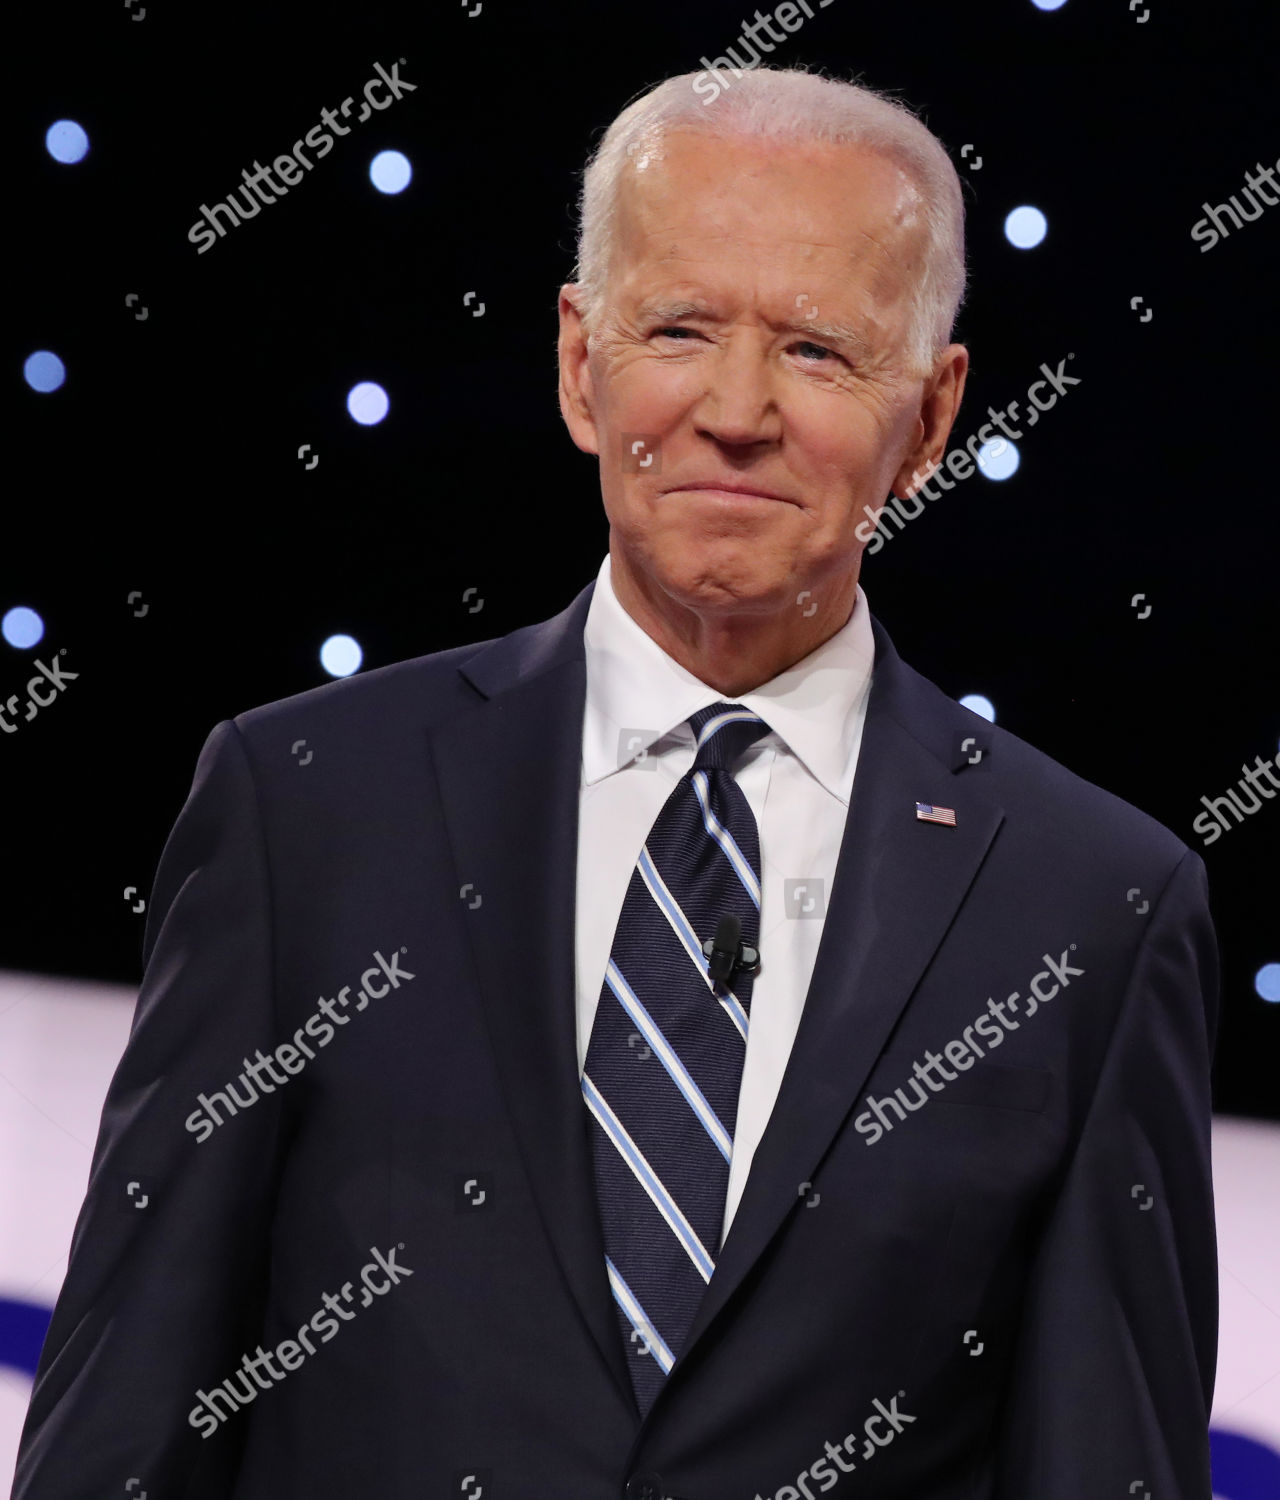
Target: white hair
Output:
[(786, 105)]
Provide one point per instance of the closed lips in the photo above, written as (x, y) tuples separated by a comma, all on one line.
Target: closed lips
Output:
[(733, 489)]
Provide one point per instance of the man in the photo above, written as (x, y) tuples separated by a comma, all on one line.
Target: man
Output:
[(576, 1079)]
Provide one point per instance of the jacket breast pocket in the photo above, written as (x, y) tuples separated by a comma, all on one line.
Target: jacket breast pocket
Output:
[(1000, 1087), (984, 1084)]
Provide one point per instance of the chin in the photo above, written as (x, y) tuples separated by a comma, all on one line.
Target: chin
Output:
[(707, 579)]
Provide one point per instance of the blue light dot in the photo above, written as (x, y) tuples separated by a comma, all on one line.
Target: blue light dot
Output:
[(340, 656), (66, 141), (1048, 4), (390, 172), (43, 370), (998, 459), (977, 704), (368, 403), (22, 627), (1267, 983), (1025, 227)]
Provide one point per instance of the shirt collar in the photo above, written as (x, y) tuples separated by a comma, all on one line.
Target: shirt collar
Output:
[(637, 693)]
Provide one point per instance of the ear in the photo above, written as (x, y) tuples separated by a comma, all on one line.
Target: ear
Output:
[(939, 407), (576, 395)]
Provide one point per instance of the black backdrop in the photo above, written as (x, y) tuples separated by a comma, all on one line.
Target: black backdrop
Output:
[(167, 466)]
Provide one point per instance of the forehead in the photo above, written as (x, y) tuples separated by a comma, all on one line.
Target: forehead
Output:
[(690, 203)]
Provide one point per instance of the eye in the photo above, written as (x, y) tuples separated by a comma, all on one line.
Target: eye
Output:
[(818, 353), (821, 348)]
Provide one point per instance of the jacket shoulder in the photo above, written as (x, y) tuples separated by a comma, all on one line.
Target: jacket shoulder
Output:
[(1037, 791), (413, 691)]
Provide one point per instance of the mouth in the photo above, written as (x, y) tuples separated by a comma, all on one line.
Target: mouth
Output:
[(730, 493)]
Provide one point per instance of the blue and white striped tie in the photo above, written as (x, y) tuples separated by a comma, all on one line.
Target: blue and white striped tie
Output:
[(664, 1064)]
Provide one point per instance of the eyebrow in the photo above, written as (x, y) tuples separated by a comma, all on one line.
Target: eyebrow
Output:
[(836, 333)]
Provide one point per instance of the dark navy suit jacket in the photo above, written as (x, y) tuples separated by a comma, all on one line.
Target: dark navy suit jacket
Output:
[(1006, 1292)]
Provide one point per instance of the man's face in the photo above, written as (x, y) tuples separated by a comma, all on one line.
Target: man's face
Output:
[(768, 243)]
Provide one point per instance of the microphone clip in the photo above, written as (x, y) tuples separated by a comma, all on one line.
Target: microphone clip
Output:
[(727, 954)]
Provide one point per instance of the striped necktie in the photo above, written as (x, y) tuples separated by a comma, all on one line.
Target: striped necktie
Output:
[(664, 1063)]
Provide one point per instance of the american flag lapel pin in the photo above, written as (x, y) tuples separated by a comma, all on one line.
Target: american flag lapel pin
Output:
[(927, 813)]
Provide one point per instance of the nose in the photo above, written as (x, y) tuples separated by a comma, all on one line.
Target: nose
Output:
[(739, 405)]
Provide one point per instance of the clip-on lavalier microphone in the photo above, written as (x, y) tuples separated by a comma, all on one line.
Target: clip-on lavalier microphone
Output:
[(728, 954)]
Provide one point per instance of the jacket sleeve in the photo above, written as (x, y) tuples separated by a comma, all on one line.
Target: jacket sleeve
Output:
[(168, 1266), (1114, 1367)]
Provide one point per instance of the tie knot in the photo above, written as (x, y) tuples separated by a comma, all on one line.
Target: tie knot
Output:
[(723, 733)]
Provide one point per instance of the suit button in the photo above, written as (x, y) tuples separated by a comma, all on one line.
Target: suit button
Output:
[(644, 1487)]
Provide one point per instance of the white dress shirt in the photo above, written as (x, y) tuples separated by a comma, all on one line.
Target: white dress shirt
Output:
[(797, 779)]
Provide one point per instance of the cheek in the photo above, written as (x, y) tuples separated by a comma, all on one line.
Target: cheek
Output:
[(868, 442), (648, 407), (845, 453), (646, 389)]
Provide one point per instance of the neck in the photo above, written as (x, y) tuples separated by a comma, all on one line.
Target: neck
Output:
[(732, 651)]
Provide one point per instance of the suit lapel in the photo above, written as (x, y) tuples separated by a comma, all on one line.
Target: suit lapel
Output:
[(509, 777), (513, 831), (898, 885)]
